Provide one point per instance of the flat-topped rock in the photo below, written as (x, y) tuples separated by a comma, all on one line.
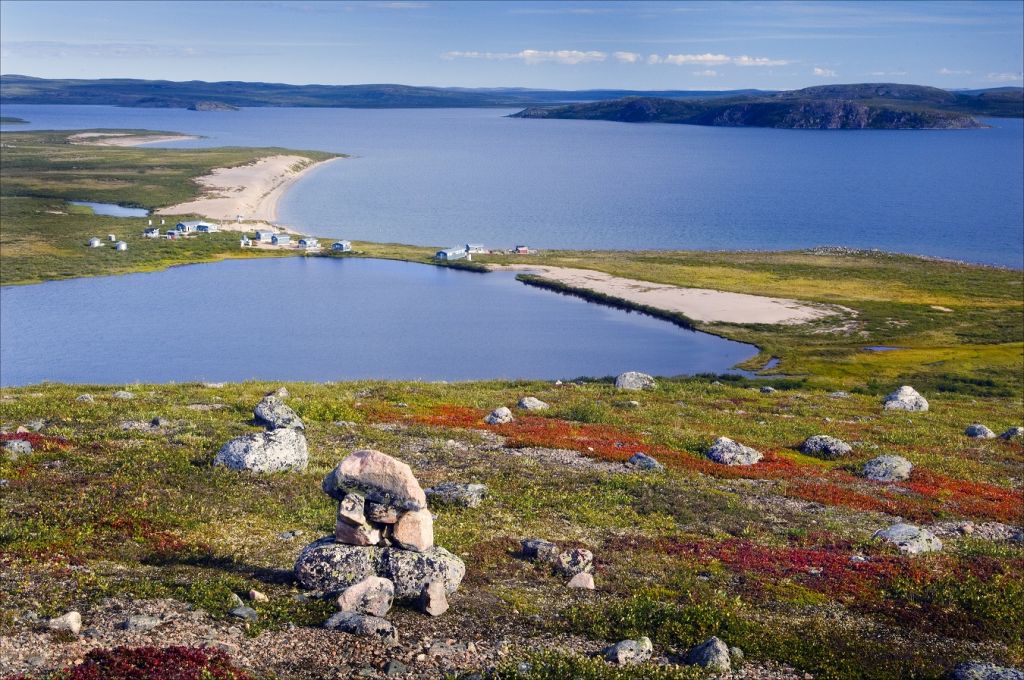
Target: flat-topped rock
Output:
[(532, 404), (628, 652), (280, 450), (1013, 433), (728, 452), (910, 539), (887, 469), (453, 493), (635, 381), (412, 571), (378, 477), (979, 431), (274, 413), (641, 461), (905, 398), (364, 625), (825, 447)]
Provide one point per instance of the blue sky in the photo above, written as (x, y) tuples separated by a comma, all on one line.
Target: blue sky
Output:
[(565, 45)]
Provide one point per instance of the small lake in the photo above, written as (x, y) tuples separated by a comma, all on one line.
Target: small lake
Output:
[(112, 209), (308, 318)]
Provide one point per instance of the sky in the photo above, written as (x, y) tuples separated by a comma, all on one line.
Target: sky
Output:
[(558, 45)]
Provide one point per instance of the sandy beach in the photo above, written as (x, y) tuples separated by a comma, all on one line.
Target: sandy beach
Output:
[(699, 304), (251, 191), (124, 138)]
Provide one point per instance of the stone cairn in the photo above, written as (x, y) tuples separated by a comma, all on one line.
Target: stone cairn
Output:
[(382, 548)]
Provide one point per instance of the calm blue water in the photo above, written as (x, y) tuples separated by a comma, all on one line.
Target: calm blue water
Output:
[(451, 176), (325, 319), (112, 209)]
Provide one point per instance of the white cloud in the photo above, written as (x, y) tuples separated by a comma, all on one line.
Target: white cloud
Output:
[(532, 56), (758, 61), (953, 72), (824, 72), (628, 57), (653, 59), (888, 73), (706, 73), (1004, 77), (709, 59)]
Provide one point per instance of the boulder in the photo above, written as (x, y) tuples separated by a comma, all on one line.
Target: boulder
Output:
[(373, 595), (905, 398), (123, 394), (825, 447), (887, 469), (839, 394), (257, 596), (979, 670), (582, 580), (635, 381), (366, 626), (452, 493), (575, 561), (500, 416), (274, 413), (85, 399), (629, 651), (712, 654), (328, 566), (140, 623), (17, 447), (414, 530), (979, 431), (539, 549), (71, 622), (245, 613), (377, 476), (768, 389), (641, 461), (433, 600), (363, 534), (728, 452), (532, 404), (910, 539), (1013, 433), (411, 571), (275, 451)]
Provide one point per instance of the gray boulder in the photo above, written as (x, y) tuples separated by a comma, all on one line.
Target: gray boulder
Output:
[(768, 389), (575, 561), (412, 571), (825, 447), (728, 452), (1013, 433), (712, 654), (887, 469), (629, 651), (274, 414), (85, 399), (373, 595), (910, 539), (979, 670), (71, 622), (17, 447), (500, 416), (452, 493), (539, 549), (331, 567), (532, 404), (635, 381), (979, 431), (355, 623), (905, 398), (642, 461), (839, 394), (123, 394), (280, 450), (140, 623)]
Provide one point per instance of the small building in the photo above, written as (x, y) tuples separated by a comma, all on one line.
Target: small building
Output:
[(309, 243), (281, 239), (95, 242), (191, 227), (264, 235), (450, 254), (521, 250), (342, 246), (111, 237), (245, 242), (207, 228), (120, 245), (475, 248), (152, 232)]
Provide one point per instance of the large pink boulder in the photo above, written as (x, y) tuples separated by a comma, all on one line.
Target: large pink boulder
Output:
[(380, 477)]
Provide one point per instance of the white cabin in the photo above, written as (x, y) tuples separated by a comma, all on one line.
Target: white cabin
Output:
[(450, 254), (265, 235), (95, 242), (121, 245), (281, 239), (152, 232), (309, 243), (342, 246)]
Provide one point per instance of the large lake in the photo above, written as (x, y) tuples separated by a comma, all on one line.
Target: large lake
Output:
[(330, 319), (451, 176)]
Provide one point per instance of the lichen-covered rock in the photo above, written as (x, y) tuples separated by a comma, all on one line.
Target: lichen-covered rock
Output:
[(414, 530), (328, 566), (372, 595), (979, 431), (351, 509), (712, 654), (14, 448), (123, 394), (453, 493), (641, 461), (532, 404), (378, 477), (411, 571), (366, 626), (274, 413), (910, 539), (979, 670), (629, 651), (905, 398), (825, 447), (539, 549), (71, 622), (635, 381), (728, 452), (887, 469), (274, 451), (1012, 433), (575, 561), (500, 416)]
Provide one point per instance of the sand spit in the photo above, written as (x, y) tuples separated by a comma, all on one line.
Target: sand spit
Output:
[(124, 138), (251, 191), (699, 304)]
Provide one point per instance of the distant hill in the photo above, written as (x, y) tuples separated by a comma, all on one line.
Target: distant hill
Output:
[(16, 89), (860, 106)]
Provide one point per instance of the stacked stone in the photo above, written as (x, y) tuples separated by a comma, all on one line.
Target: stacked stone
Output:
[(382, 547)]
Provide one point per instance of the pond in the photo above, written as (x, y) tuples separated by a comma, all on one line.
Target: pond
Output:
[(318, 318), (112, 209)]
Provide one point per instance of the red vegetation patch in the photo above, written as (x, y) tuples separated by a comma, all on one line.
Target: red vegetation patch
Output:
[(156, 663), (971, 499), (160, 541), (38, 441)]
